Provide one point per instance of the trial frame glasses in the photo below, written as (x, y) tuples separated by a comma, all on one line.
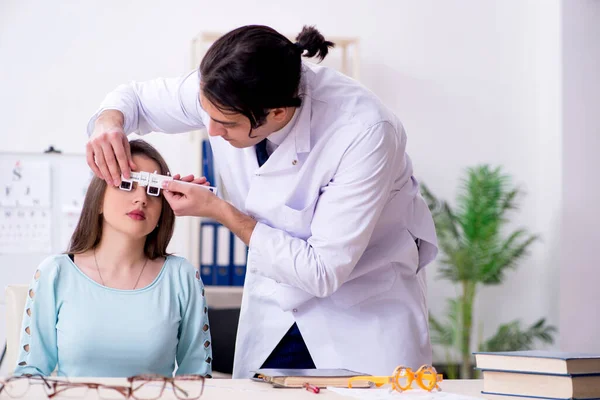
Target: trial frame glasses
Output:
[(402, 378)]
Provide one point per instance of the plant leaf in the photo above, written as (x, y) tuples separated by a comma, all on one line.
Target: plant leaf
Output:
[(510, 336), (440, 334), (506, 257), (471, 235), (448, 334)]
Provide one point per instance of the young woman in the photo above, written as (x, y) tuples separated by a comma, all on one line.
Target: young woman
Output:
[(117, 304)]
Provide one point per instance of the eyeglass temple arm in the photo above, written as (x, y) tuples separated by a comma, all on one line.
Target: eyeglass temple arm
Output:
[(376, 380), (438, 377), (178, 388)]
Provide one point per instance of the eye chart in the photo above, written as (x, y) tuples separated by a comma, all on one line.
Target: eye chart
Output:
[(41, 196), (25, 202)]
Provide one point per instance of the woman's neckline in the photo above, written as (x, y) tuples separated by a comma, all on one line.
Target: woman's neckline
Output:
[(125, 291)]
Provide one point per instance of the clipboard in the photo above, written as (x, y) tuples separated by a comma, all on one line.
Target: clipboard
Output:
[(296, 378)]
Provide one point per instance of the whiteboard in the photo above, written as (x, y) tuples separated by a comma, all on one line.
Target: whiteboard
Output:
[(40, 202)]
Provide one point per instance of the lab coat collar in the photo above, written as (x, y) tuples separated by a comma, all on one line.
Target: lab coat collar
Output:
[(302, 128), (298, 140)]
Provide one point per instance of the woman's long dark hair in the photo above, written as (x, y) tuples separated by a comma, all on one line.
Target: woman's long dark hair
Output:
[(88, 231), (253, 69)]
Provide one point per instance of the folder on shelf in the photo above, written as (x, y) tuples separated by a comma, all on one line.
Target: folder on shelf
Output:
[(223, 256), (208, 169), (221, 271), (239, 256), (207, 252)]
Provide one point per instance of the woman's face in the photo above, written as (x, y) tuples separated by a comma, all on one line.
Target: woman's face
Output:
[(134, 213)]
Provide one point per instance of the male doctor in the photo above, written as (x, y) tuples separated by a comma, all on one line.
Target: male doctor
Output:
[(320, 188)]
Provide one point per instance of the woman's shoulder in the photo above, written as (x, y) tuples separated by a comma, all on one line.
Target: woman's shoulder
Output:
[(181, 266), (49, 269), (184, 278), (53, 264), (178, 262)]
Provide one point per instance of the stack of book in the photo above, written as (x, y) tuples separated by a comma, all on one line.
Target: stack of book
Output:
[(539, 374)]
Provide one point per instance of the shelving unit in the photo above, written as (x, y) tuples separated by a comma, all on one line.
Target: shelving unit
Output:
[(223, 297)]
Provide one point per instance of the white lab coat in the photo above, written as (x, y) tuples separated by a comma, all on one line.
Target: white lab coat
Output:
[(338, 212)]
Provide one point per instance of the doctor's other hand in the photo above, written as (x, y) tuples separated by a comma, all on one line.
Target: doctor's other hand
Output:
[(190, 178), (190, 200), (108, 153)]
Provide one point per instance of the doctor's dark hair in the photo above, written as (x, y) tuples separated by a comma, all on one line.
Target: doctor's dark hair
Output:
[(254, 68), (88, 231)]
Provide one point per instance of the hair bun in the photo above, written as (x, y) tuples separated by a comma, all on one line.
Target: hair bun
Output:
[(313, 42)]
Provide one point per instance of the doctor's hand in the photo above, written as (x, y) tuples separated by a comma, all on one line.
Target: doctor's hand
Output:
[(193, 200), (190, 200), (108, 152)]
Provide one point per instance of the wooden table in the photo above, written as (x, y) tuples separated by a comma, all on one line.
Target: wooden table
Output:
[(234, 389)]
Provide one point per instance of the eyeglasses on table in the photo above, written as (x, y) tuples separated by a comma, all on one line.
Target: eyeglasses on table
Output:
[(140, 387)]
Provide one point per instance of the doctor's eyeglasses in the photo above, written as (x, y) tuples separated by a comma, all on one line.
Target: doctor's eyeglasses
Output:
[(426, 377)]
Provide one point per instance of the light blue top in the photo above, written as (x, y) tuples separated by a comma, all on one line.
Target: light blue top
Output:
[(89, 330)]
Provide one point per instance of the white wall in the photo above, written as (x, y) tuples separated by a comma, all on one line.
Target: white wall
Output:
[(580, 272), (474, 81)]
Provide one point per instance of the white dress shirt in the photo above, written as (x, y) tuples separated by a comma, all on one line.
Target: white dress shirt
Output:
[(275, 139)]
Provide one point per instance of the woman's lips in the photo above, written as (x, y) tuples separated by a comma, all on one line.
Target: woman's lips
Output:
[(137, 215)]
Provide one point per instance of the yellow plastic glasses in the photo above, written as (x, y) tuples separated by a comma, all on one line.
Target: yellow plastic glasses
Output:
[(402, 378)]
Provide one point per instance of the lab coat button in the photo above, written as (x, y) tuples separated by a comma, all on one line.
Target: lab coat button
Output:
[(295, 310), (294, 162)]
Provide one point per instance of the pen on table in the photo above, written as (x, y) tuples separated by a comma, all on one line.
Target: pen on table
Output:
[(311, 388)]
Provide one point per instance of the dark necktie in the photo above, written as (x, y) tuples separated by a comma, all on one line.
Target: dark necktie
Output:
[(261, 152)]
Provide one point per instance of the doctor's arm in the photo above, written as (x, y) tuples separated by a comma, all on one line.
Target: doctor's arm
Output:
[(160, 105), (345, 217)]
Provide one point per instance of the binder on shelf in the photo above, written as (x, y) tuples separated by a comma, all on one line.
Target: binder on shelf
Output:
[(223, 256), (208, 166), (239, 257), (207, 252), (221, 271)]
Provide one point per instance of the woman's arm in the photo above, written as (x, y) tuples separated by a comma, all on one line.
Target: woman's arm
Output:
[(38, 352), (194, 351)]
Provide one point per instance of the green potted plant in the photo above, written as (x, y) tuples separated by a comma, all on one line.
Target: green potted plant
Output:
[(476, 251)]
